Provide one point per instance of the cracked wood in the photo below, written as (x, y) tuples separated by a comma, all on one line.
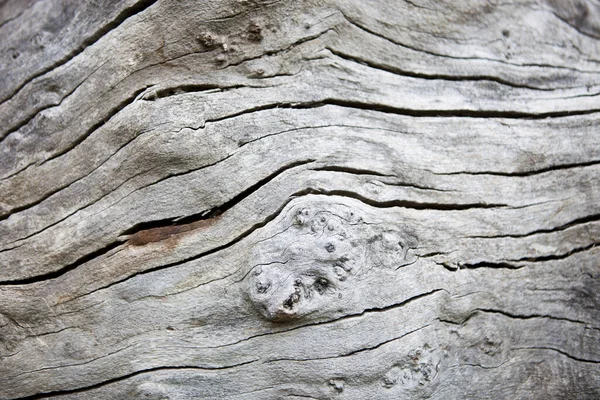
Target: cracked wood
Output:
[(322, 199)]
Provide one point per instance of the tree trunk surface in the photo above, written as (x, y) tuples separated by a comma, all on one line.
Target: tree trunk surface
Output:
[(327, 199)]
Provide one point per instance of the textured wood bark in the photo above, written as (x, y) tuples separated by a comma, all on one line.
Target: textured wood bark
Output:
[(329, 199)]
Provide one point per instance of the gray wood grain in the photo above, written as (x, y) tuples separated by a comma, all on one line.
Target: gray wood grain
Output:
[(247, 199)]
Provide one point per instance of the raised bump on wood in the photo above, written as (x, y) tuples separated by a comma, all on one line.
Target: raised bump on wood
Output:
[(315, 259)]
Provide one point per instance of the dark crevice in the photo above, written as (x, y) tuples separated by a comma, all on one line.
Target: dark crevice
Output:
[(564, 353), (400, 203), (342, 318), (581, 95), (484, 114), (392, 306), (525, 173), (39, 335), (420, 75), (421, 6), (58, 393), (484, 264), (451, 113), (270, 106), (17, 172), (58, 367), (65, 269), (11, 248), (114, 112), (351, 353), (415, 186), (358, 171), (477, 365), (476, 311), (190, 88), (578, 221), (165, 222), (140, 231), (119, 19), (378, 345), (434, 253), (40, 162), (509, 265), (531, 316), (349, 170), (553, 257)]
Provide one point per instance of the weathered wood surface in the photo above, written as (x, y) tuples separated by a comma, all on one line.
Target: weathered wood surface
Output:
[(247, 199)]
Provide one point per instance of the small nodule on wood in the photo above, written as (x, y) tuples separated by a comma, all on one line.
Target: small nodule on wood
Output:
[(262, 287), (292, 300), (417, 368), (208, 40), (337, 384), (310, 279), (254, 32), (321, 285)]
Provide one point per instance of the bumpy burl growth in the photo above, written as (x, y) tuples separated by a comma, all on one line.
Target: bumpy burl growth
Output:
[(281, 295), (321, 248)]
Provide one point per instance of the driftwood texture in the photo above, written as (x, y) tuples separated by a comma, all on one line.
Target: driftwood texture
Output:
[(344, 199)]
